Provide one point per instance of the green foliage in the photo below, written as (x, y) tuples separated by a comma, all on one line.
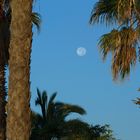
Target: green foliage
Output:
[(85, 131), (102, 132), (53, 123)]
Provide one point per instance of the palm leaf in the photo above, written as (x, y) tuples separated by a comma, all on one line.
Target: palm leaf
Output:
[(122, 44), (68, 108), (51, 106), (36, 20), (104, 11), (137, 101), (38, 101), (52, 98), (114, 11), (44, 98), (62, 110)]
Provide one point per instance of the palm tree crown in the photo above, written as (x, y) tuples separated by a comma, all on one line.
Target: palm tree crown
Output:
[(123, 41), (52, 122)]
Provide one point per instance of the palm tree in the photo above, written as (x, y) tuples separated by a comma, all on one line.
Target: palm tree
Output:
[(19, 71), (52, 123), (123, 41), (5, 18)]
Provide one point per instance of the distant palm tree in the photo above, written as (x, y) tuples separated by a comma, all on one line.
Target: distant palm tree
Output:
[(123, 41), (53, 122)]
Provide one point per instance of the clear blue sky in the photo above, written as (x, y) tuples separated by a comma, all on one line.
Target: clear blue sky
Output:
[(85, 81)]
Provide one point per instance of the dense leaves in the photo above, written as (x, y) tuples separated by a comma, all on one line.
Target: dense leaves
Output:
[(53, 123)]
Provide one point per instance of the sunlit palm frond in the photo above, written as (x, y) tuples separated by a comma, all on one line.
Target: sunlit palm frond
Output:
[(122, 5), (104, 11), (36, 20), (109, 42), (114, 11), (122, 44), (125, 57)]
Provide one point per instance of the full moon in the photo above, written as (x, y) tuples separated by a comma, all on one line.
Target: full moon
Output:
[(81, 51)]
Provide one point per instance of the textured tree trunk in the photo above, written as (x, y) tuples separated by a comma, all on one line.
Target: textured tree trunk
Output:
[(18, 110)]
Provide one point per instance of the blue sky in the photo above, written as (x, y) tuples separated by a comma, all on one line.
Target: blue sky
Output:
[(85, 81)]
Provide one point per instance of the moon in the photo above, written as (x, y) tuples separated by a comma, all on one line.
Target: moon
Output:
[(81, 51)]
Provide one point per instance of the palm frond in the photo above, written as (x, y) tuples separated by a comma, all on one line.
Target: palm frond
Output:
[(68, 108), (44, 98), (114, 11), (104, 11), (137, 101), (51, 106), (62, 110), (122, 44), (36, 20), (109, 42), (122, 5), (38, 100), (52, 97)]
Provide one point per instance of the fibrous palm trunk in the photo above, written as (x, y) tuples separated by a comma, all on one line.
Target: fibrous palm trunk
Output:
[(18, 110)]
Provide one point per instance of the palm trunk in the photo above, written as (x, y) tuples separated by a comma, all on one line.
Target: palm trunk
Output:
[(2, 102), (18, 119)]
